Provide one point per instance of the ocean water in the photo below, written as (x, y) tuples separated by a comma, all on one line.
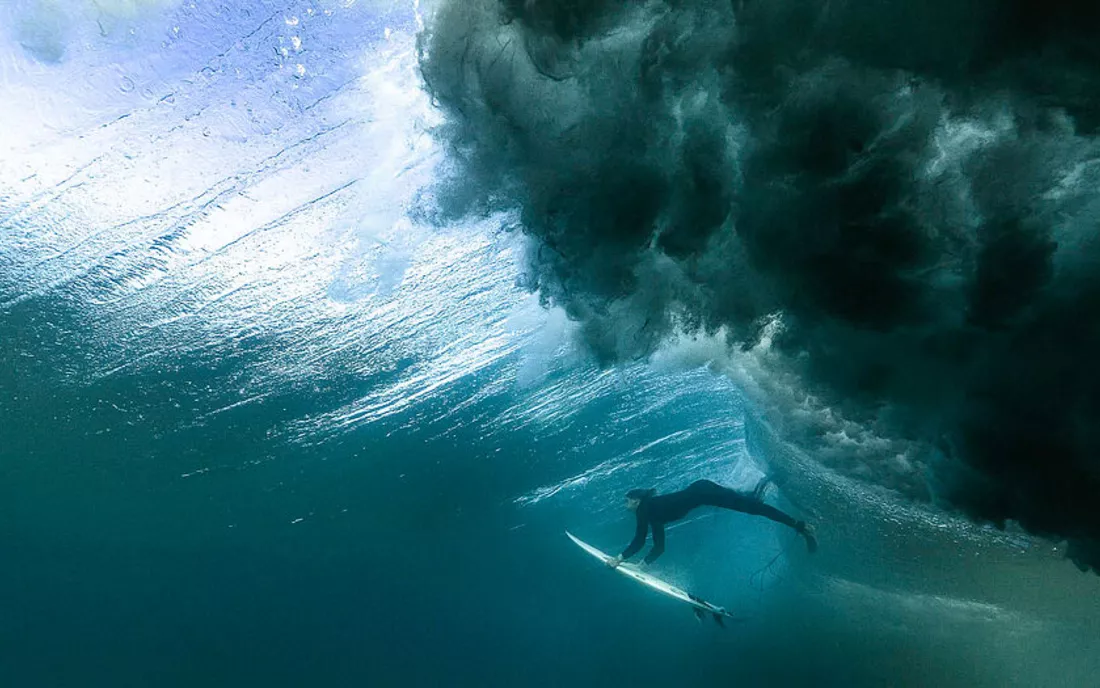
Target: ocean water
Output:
[(265, 421)]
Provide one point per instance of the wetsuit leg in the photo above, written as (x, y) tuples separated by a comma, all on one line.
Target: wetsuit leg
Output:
[(713, 494)]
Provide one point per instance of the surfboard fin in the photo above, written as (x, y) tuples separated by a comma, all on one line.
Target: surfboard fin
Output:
[(698, 614), (718, 620)]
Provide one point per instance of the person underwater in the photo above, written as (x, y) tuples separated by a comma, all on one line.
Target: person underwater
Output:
[(653, 511)]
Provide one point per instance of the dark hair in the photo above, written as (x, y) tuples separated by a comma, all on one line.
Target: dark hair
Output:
[(640, 493)]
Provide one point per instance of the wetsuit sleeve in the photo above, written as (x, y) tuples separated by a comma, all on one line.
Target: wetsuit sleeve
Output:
[(658, 543), (639, 536)]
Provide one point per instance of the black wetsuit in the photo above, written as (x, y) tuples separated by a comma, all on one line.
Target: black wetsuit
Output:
[(654, 512)]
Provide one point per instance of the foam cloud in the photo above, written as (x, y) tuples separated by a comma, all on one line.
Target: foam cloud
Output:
[(902, 198)]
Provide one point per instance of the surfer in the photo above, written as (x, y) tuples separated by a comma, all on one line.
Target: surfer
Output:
[(654, 511)]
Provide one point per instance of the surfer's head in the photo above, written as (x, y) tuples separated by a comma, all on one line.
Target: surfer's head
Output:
[(635, 497)]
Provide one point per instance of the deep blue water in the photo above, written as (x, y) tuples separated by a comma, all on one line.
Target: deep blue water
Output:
[(262, 425)]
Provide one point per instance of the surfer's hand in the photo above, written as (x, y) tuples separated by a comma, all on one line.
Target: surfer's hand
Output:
[(614, 562)]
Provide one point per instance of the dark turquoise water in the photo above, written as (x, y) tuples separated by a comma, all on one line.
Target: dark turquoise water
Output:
[(262, 424)]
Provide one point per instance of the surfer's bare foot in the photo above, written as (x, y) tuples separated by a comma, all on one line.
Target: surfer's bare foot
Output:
[(807, 532), (614, 562)]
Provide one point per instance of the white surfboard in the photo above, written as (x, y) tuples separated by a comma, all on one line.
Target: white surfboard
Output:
[(632, 571)]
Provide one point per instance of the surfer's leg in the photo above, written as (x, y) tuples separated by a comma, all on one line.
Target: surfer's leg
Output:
[(751, 504), (748, 503), (761, 488), (713, 494)]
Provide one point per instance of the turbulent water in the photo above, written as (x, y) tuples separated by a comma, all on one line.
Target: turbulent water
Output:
[(321, 322)]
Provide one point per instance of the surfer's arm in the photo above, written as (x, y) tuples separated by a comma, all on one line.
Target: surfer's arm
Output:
[(658, 543), (636, 544)]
